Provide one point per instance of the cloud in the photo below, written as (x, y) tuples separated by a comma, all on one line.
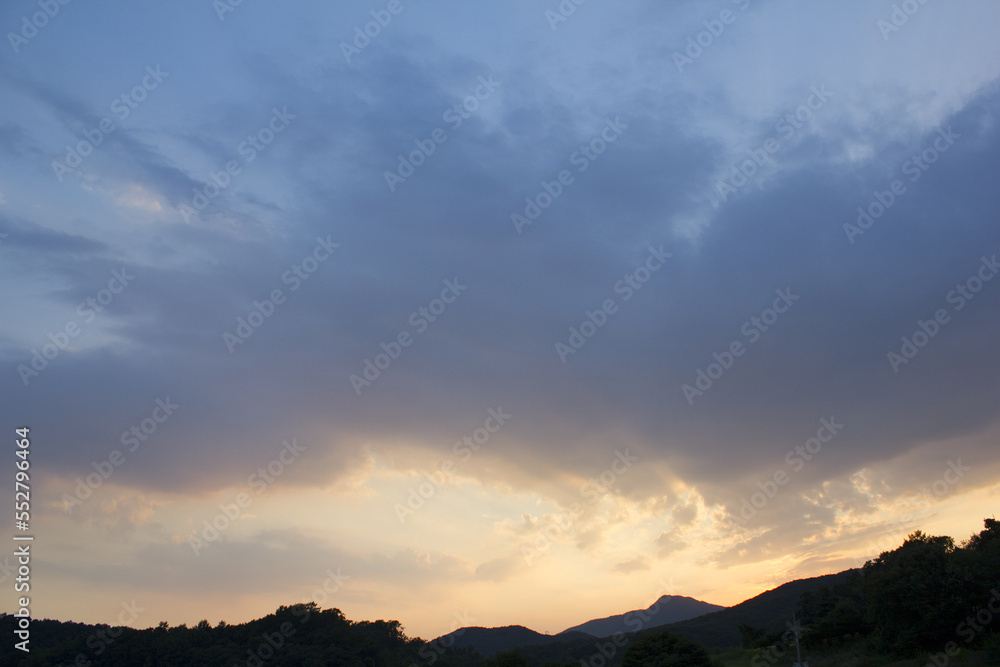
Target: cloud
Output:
[(668, 544), (637, 564), (498, 569), (700, 456)]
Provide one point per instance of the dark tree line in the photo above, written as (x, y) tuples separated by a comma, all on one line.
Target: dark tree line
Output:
[(920, 597), (301, 635), (925, 596)]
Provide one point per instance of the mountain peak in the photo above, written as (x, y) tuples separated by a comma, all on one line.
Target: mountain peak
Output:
[(490, 641), (666, 609)]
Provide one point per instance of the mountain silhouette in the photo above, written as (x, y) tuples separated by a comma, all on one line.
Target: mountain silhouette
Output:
[(490, 641), (667, 609), (771, 611)]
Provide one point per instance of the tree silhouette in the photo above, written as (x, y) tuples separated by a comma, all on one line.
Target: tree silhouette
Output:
[(665, 649)]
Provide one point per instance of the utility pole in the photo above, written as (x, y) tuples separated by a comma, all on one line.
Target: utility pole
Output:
[(798, 650)]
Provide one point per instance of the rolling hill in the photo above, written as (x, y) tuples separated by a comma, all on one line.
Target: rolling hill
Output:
[(705, 623), (490, 641), (770, 610), (668, 609)]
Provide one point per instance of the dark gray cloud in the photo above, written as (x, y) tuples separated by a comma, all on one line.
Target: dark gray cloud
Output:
[(650, 191)]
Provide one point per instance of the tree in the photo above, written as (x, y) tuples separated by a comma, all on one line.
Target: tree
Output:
[(751, 637), (987, 539), (512, 658), (915, 593), (665, 649)]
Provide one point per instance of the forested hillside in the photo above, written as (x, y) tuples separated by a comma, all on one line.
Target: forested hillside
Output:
[(927, 597)]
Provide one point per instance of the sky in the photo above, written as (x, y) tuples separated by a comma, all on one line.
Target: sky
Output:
[(490, 314)]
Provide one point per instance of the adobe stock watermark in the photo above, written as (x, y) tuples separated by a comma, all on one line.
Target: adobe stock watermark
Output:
[(455, 115), (432, 651), (131, 439), (915, 167), (258, 483), (417, 498), (562, 13), (581, 158), (248, 150), (634, 621), (223, 7), (596, 487), (99, 641), (752, 329), (363, 35), (696, 44), (122, 106), (973, 626), (333, 582), (38, 20), (7, 569), (796, 459), (629, 284), (88, 309), (593, 489), (294, 277), (958, 297), (421, 319), (786, 127), (895, 533), (273, 641), (775, 652), (899, 17)]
